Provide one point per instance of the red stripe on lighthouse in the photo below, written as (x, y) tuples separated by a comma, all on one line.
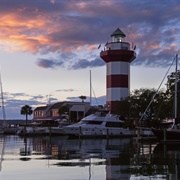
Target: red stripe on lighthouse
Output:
[(117, 81), (118, 55)]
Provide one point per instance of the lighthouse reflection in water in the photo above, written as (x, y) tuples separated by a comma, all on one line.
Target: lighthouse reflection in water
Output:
[(59, 158)]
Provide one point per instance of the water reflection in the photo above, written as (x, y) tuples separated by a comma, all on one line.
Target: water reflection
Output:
[(168, 158), (95, 159), (112, 153), (159, 161)]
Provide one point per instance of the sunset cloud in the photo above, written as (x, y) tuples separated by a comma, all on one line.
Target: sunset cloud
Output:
[(51, 26)]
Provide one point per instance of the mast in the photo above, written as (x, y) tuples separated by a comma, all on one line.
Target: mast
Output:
[(175, 94), (90, 89), (2, 101)]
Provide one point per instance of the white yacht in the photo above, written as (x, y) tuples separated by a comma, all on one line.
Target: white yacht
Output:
[(100, 124)]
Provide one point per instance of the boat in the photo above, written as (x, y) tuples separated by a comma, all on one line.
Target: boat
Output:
[(61, 122), (100, 124), (58, 130), (32, 131), (173, 132)]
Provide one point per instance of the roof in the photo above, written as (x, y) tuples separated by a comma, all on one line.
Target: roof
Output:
[(40, 108), (118, 32), (77, 108), (57, 105)]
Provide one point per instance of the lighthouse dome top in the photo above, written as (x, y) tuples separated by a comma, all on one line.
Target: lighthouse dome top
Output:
[(119, 33)]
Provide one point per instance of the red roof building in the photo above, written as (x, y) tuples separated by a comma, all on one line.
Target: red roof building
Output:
[(50, 112)]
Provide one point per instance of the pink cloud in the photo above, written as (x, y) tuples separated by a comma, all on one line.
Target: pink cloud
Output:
[(68, 26)]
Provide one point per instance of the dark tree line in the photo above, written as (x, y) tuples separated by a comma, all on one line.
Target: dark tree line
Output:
[(162, 105)]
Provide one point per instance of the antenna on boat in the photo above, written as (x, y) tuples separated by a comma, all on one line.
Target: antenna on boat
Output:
[(2, 101)]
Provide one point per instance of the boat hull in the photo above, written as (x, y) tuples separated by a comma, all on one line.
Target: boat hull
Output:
[(32, 131), (167, 134), (57, 131), (86, 132)]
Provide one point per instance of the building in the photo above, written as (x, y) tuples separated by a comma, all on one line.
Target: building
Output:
[(50, 112), (118, 56)]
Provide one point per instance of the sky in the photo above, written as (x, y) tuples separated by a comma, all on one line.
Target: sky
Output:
[(49, 47)]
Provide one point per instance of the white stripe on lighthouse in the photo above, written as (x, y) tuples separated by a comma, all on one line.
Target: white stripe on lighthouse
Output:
[(118, 68), (116, 94)]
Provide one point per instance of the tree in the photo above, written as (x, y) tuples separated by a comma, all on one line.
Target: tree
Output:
[(26, 110), (122, 108), (63, 109), (133, 107), (82, 98)]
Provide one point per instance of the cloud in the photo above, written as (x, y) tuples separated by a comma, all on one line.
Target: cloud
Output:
[(15, 101), (52, 1), (73, 27), (65, 90), (71, 61), (49, 63), (83, 63)]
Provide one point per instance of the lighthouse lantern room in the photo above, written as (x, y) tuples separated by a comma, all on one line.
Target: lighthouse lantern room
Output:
[(118, 56)]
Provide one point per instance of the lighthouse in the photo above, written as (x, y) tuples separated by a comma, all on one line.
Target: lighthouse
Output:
[(118, 56)]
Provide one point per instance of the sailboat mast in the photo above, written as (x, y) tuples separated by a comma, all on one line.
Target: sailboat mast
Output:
[(175, 94), (2, 100), (90, 89)]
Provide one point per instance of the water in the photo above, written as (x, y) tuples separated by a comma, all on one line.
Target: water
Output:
[(59, 158)]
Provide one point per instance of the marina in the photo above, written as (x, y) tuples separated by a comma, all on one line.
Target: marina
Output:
[(78, 141), (59, 123)]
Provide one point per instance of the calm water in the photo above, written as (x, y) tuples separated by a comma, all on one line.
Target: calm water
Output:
[(59, 158)]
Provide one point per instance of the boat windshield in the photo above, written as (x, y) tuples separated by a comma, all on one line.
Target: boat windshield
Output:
[(101, 113)]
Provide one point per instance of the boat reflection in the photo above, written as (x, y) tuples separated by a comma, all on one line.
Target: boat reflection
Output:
[(120, 158), (113, 154)]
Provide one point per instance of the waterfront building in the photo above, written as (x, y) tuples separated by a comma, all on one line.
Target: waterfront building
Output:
[(50, 112)]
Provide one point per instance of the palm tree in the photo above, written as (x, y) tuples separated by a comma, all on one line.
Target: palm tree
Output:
[(26, 110), (82, 98)]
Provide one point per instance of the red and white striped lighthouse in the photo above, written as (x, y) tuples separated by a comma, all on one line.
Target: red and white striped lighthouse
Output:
[(118, 56)]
